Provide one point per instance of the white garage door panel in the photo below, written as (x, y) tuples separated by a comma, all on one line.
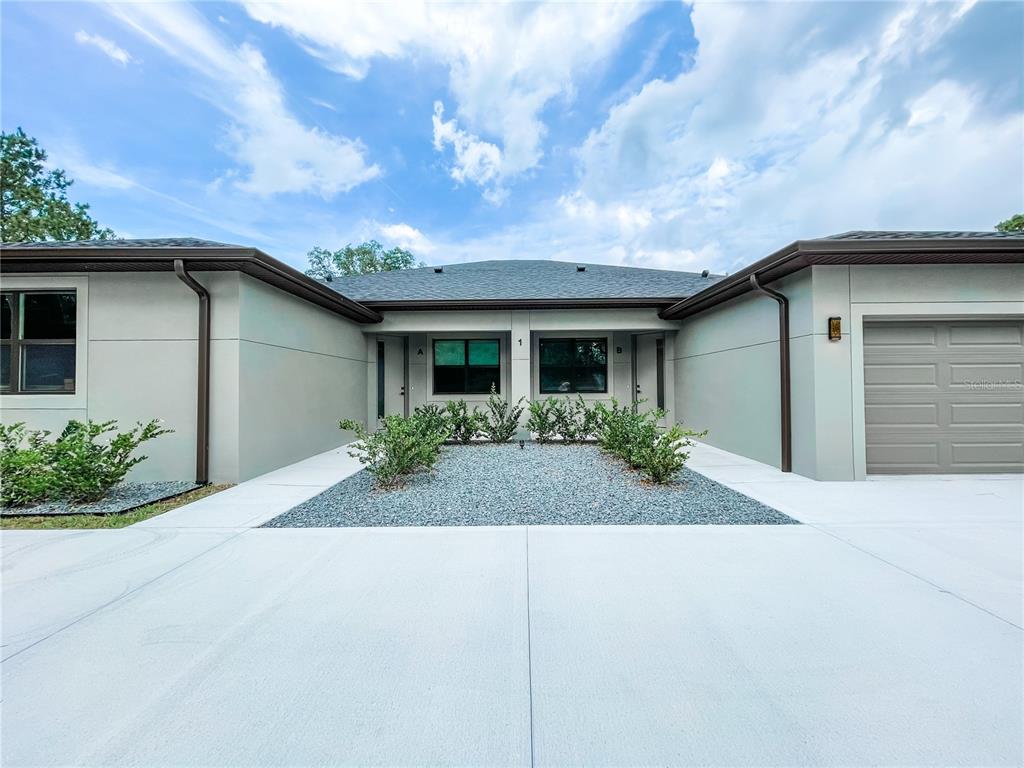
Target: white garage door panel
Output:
[(944, 396)]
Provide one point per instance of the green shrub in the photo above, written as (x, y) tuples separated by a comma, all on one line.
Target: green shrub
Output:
[(542, 419), (77, 467), (432, 416), (26, 476), (635, 436), (86, 468), (464, 423), (401, 446), (574, 420), (501, 420), (616, 426), (661, 459)]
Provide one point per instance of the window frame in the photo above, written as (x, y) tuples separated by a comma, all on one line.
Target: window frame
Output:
[(573, 341), (465, 367), (15, 343)]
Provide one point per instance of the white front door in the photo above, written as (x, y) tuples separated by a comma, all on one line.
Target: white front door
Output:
[(390, 377), (649, 377)]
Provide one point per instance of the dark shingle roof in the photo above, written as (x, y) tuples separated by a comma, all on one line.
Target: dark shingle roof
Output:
[(517, 280), (151, 242), (939, 235)]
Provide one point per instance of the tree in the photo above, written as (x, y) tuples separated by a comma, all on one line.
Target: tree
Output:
[(34, 202), (365, 259), (1012, 224)]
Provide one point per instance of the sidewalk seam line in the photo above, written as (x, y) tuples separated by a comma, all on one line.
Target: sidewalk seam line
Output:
[(122, 596), (914, 575)]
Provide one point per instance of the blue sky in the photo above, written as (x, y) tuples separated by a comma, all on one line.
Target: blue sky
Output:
[(670, 135)]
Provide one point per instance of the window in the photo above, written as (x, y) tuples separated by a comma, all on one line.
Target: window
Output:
[(466, 366), (37, 348), (573, 365)]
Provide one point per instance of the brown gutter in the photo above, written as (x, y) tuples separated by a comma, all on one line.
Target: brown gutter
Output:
[(784, 378), (805, 253), (417, 305), (250, 261), (203, 386)]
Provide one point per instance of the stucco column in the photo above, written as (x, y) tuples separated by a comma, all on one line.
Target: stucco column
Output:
[(519, 359)]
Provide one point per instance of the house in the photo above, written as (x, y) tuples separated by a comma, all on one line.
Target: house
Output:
[(861, 353)]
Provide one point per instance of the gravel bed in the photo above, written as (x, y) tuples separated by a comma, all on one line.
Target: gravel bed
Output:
[(121, 498), (537, 485)]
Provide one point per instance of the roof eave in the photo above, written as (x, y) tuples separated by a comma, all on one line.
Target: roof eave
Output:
[(250, 261), (414, 305), (805, 253)]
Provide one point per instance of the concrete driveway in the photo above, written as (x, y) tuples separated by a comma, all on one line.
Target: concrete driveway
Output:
[(888, 635)]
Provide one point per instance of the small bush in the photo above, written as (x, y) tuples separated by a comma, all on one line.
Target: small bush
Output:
[(432, 417), (542, 419), (635, 436), (26, 475), (401, 446), (85, 468), (501, 420), (464, 423), (574, 419), (662, 458), (76, 467)]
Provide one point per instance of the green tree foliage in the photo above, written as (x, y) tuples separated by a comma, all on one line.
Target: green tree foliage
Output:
[(1012, 224), (35, 205), (365, 259)]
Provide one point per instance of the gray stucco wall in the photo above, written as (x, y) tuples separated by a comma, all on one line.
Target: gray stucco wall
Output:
[(283, 372), (301, 369), (136, 360), (726, 364), (726, 370)]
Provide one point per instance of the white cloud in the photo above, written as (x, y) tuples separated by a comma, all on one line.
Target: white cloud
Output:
[(475, 160), (109, 47), (322, 103), (760, 144), (757, 145), (506, 63), (91, 174), (277, 152), (408, 237)]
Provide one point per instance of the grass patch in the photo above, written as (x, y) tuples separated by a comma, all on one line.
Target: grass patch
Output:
[(116, 520)]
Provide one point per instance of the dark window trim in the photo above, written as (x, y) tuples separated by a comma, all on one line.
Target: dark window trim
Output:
[(659, 368), (15, 343), (465, 368), (573, 341), (380, 379)]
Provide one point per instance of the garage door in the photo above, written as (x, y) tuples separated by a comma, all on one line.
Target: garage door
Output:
[(944, 397)]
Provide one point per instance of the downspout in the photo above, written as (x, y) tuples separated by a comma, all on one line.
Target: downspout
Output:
[(203, 386), (784, 390)]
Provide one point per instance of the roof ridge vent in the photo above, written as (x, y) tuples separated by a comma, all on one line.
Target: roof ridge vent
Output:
[(438, 270), (581, 268)]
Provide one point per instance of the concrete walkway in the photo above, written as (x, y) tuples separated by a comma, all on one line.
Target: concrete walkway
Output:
[(195, 639), (962, 533)]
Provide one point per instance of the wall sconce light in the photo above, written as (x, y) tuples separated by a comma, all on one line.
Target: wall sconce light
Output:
[(618, 350), (419, 351), (835, 329)]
